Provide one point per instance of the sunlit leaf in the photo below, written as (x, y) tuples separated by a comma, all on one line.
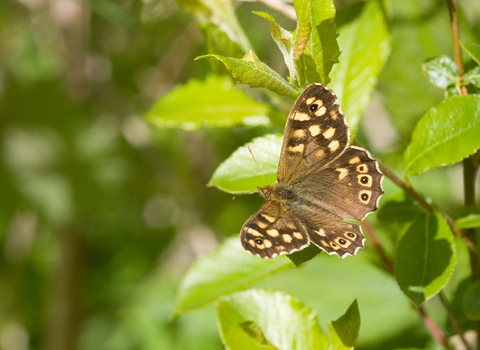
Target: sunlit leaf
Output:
[(470, 221), (285, 41), (214, 102), (365, 46), (446, 134), (220, 24), (425, 257), (472, 77), (346, 329), (473, 50), (227, 269), (441, 71), (271, 319), (239, 173), (250, 70), (322, 50)]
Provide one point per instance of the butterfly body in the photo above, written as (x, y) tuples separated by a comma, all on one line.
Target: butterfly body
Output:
[(321, 182)]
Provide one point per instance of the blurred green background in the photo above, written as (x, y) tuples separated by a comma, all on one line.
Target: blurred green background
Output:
[(100, 213)]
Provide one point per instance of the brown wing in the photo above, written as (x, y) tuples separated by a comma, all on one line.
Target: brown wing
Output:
[(349, 187), (273, 230), (315, 134)]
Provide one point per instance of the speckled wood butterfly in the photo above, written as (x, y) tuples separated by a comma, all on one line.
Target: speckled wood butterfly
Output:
[(321, 181)]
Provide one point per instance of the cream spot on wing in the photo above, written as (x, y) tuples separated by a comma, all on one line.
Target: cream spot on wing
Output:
[(261, 224), (334, 245), (342, 173), (297, 149), (268, 218), (297, 235), (314, 130), (251, 242), (350, 235), (299, 133), (287, 238), (321, 232), (333, 145), (364, 180), (280, 248), (267, 243), (254, 232), (320, 154), (333, 114), (364, 196), (311, 100), (321, 111), (362, 168), (342, 242), (273, 232), (354, 160), (325, 244), (329, 133), (301, 116), (260, 246)]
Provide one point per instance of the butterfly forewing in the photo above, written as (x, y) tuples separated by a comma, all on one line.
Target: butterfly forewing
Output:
[(273, 230), (315, 134), (321, 182)]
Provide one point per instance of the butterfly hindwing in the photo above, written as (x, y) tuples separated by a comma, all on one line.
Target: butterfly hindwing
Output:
[(273, 230), (357, 185)]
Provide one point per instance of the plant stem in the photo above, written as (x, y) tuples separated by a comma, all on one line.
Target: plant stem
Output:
[(453, 320), (436, 332), (469, 166)]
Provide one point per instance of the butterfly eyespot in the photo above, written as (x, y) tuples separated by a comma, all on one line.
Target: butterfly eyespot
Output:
[(258, 241), (351, 235), (313, 107), (364, 196), (342, 241), (364, 179)]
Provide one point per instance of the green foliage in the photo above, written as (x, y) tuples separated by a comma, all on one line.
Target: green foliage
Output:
[(425, 257), (217, 104), (445, 135), (239, 173), (268, 320), (365, 44), (110, 237)]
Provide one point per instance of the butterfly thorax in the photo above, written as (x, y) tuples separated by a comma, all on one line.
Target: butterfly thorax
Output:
[(281, 192)]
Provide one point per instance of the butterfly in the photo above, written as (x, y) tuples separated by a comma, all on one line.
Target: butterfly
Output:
[(321, 182)]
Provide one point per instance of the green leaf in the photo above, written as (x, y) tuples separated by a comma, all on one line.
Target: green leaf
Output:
[(238, 334), (322, 50), (227, 269), (239, 173), (472, 77), (365, 45), (285, 41), (346, 329), (399, 208), (446, 134), (304, 255), (470, 221), (441, 71), (471, 301), (250, 70), (214, 102), (304, 28), (272, 319), (219, 23), (473, 50), (425, 257)]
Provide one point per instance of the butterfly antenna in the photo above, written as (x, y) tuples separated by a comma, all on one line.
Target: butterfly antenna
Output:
[(258, 166)]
